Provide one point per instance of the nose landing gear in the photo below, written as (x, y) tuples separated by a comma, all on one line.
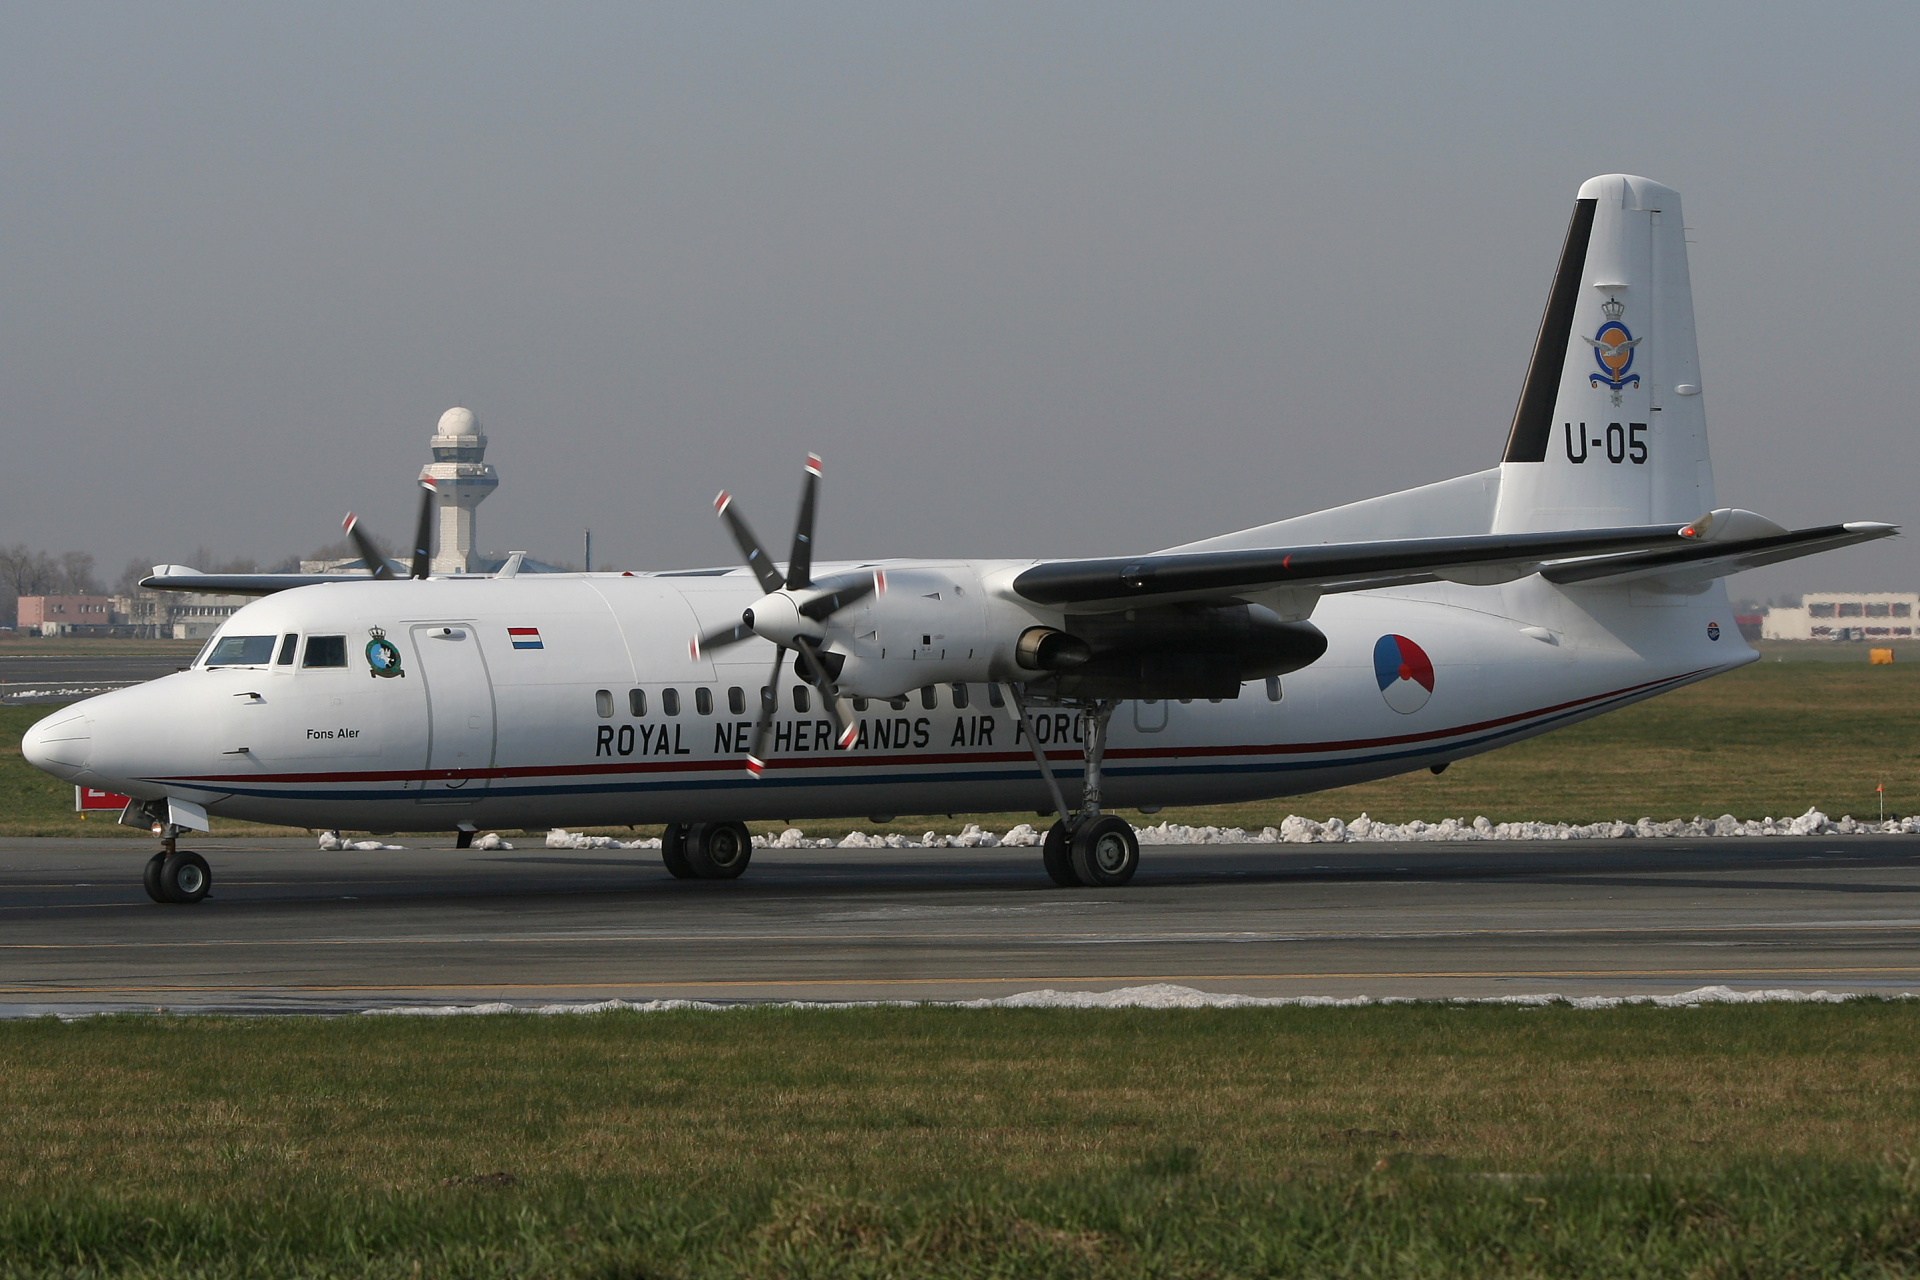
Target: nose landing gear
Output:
[(1089, 847), (178, 876)]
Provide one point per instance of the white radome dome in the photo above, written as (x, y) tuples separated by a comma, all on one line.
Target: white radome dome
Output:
[(459, 422)]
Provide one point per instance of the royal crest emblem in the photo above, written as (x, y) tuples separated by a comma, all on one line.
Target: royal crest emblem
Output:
[(1613, 351), (383, 656)]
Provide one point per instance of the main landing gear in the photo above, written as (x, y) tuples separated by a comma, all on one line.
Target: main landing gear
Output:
[(177, 875), (706, 850), (1088, 847)]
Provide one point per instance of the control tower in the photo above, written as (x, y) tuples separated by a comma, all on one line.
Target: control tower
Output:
[(464, 479)]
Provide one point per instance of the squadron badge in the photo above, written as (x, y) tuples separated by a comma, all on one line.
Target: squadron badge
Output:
[(1613, 351), (383, 656)]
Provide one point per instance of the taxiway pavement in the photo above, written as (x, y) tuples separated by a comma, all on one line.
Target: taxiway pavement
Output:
[(291, 928)]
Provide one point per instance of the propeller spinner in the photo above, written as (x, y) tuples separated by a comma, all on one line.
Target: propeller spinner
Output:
[(791, 613)]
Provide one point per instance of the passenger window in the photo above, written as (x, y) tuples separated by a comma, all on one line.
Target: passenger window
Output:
[(928, 698), (860, 705), (1273, 688), (637, 702), (325, 651), (769, 700), (703, 700), (800, 700), (959, 697), (994, 697), (288, 643), (242, 651), (737, 700), (899, 703), (603, 703), (670, 701)]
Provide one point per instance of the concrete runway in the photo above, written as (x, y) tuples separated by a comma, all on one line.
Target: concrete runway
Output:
[(63, 677), (290, 928)]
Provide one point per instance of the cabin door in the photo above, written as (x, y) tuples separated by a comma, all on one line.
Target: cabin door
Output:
[(460, 721)]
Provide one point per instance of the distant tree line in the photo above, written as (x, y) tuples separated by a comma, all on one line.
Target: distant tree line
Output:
[(26, 571)]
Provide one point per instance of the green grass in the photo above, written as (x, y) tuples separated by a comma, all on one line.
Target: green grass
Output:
[(1767, 740), (1404, 1141)]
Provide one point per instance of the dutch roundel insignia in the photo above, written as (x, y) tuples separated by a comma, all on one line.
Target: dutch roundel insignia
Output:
[(1404, 673)]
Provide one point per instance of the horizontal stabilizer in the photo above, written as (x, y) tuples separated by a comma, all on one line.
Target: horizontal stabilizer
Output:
[(1703, 561)]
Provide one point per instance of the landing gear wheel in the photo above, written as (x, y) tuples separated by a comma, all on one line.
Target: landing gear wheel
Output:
[(673, 851), (150, 878), (1057, 854), (185, 877), (718, 850), (1106, 853)]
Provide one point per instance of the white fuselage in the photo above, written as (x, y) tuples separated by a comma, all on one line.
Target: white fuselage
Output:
[(606, 717)]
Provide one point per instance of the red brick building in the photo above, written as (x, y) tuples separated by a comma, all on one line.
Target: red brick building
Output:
[(65, 615)]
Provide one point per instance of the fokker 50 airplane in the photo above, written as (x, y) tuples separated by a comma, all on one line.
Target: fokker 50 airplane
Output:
[(1403, 632)]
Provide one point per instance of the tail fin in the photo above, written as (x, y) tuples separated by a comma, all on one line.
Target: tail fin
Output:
[(1610, 430)]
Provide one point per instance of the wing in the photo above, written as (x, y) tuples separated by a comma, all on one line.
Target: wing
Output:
[(1719, 543), (1684, 566), (180, 578), (1101, 585)]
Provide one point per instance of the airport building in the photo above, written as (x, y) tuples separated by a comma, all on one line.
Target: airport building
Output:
[(172, 615), (463, 479), (66, 615), (1859, 616)]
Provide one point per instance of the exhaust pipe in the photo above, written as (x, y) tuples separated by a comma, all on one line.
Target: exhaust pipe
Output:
[(1046, 649)]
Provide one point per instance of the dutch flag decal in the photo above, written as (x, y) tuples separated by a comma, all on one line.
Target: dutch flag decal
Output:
[(525, 637)]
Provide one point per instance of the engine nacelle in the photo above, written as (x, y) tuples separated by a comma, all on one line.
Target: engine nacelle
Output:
[(940, 624)]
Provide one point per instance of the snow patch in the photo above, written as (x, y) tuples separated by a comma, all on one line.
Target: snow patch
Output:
[(331, 842), (1298, 830), (1160, 995), (561, 838)]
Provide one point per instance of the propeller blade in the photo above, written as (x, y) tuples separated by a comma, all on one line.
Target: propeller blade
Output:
[(800, 567), (770, 580), (364, 545), (423, 528), (763, 728), (845, 591), (817, 676), (719, 639)]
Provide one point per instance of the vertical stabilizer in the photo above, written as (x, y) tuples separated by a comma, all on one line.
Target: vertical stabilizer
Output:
[(1610, 429)]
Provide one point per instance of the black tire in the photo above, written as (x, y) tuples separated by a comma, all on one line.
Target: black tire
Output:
[(719, 850), (673, 851), (1057, 854), (1106, 853), (150, 878), (185, 877)]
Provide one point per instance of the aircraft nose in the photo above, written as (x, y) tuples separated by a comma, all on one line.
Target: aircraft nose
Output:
[(60, 744)]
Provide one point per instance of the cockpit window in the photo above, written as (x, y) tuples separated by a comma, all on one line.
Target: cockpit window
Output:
[(326, 651), (242, 651), (288, 643)]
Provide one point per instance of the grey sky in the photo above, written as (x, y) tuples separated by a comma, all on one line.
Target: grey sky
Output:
[(1060, 279)]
